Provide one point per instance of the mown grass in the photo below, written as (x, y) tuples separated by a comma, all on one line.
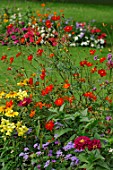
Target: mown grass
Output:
[(79, 12)]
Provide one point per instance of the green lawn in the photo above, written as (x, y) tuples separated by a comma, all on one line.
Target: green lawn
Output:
[(79, 12)]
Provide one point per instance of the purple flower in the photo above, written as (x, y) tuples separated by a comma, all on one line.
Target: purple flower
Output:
[(79, 150), (59, 153), (57, 142), (94, 88), (95, 57), (53, 161), (45, 145), (39, 166), (58, 125), (26, 149), (108, 118), (69, 146), (29, 131), (38, 153), (36, 145), (25, 156), (68, 156), (50, 153), (21, 154), (75, 160), (47, 164), (109, 56)]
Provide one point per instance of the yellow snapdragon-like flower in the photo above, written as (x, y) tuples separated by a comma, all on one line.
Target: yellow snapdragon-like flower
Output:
[(11, 113), (21, 129), (22, 94), (11, 94), (6, 127)]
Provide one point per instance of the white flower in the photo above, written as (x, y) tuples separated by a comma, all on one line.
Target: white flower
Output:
[(72, 45), (92, 45), (69, 35), (75, 38), (43, 35), (110, 150)]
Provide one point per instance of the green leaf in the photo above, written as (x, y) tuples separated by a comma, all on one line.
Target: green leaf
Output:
[(62, 108), (71, 138), (84, 113), (61, 132), (103, 165)]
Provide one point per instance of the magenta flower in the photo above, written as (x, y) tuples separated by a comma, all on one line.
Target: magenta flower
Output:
[(25, 102), (81, 142), (94, 144)]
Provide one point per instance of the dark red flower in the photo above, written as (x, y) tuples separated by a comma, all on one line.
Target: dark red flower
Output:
[(25, 102), (59, 102), (102, 72), (68, 28), (49, 125), (81, 142), (94, 144), (30, 81)]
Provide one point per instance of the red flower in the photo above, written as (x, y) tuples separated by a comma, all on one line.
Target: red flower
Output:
[(88, 64), (49, 125), (18, 54), (9, 68), (4, 57), (93, 70), (55, 18), (22, 40), (68, 28), (102, 59), (59, 102), (94, 144), (30, 57), (11, 60), (49, 88), (39, 52), (43, 74), (90, 95), (102, 72), (81, 142), (9, 103), (48, 24), (30, 81), (83, 63), (92, 52)]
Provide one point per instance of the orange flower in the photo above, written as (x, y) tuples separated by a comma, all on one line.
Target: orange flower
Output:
[(66, 85), (59, 102), (51, 55), (9, 103), (93, 70), (43, 5), (18, 54), (108, 99), (32, 113), (22, 40), (48, 23), (49, 125)]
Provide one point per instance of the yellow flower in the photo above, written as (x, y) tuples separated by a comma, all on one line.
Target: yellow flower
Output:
[(21, 129), (11, 94), (5, 15), (11, 113), (22, 94), (23, 83), (7, 127), (2, 109), (2, 94), (5, 20)]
